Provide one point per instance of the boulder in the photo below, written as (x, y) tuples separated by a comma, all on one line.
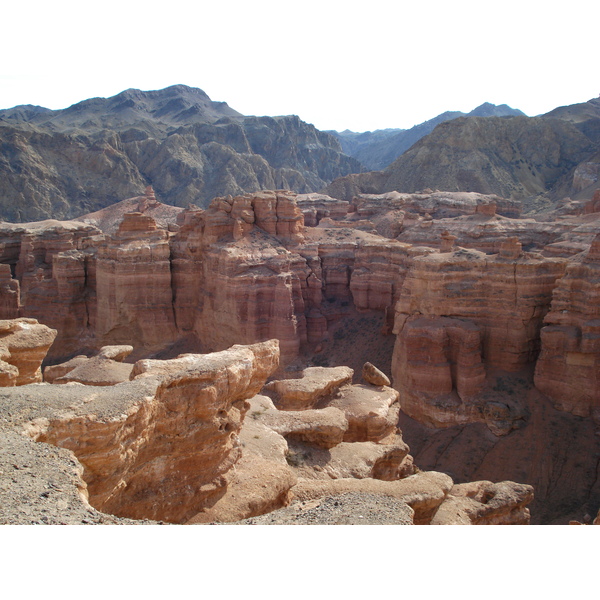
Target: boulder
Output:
[(371, 374)]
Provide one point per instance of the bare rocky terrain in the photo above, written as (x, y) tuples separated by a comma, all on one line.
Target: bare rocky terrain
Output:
[(538, 161), (364, 357), (64, 163), (61, 164), (457, 420), (378, 149)]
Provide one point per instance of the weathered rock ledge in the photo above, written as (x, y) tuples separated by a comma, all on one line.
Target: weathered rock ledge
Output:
[(174, 444), (157, 447)]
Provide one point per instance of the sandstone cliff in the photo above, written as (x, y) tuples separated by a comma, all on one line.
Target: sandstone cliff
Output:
[(567, 369)]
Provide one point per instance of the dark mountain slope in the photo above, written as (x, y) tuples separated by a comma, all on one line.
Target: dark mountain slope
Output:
[(61, 164), (513, 157), (376, 150), (538, 160)]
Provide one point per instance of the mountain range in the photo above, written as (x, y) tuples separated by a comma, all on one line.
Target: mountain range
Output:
[(80, 159), (538, 161), (63, 163), (377, 149)]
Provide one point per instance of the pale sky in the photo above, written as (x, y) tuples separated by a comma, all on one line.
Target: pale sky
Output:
[(337, 64)]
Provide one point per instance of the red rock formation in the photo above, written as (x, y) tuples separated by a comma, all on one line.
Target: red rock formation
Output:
[(568, 369), (492, 309), (315, 207), (133, 286), (249, 286), (239, 271), (251, 291), (438, 205), (378, 273), (49, 266), (439, 369)]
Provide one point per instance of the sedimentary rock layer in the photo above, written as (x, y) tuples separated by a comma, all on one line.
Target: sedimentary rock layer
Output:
[(568, 367), (159, 446), (460, 313)]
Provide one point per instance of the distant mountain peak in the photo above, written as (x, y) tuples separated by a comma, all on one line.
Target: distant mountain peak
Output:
[(161, 109), (487, 109)]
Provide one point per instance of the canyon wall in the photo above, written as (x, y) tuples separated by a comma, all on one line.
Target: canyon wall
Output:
[(490, 310), (461, 313), (567, 371)]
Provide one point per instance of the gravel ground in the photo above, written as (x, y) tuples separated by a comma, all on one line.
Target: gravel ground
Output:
[(39, 485), (345, 509)]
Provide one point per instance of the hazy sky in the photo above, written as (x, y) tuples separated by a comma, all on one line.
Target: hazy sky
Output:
[(339, 65)]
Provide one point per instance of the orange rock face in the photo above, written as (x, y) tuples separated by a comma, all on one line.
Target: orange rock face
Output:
[(160, 446), (568, 369), (49, 277), (133, 285), (459, 314)]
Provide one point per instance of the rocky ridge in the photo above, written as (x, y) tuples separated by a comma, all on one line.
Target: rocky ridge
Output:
[(378, 149), (60, 164), (537, 161)]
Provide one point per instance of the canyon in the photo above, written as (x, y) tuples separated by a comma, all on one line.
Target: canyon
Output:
[(207, 317), (207, 364)]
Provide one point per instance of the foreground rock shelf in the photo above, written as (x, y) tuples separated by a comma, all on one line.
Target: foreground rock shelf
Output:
[(176, 444)]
